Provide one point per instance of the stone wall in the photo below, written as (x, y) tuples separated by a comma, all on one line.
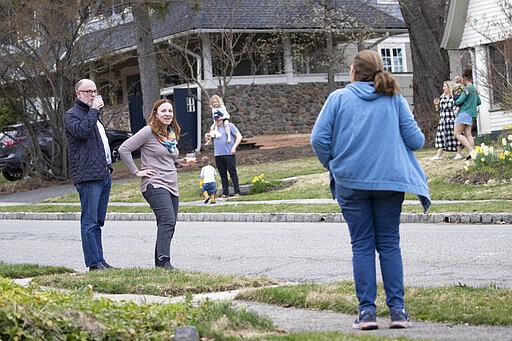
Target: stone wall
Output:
[(262, 109), (116, 117), (272, 109), (256, 110)]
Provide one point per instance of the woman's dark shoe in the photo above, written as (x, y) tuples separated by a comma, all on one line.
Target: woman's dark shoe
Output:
[(468, 157)]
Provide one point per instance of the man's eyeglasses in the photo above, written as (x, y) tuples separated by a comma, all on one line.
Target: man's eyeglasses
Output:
[(90, 92)]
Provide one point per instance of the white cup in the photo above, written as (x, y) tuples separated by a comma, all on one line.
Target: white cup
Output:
[(98, 99)]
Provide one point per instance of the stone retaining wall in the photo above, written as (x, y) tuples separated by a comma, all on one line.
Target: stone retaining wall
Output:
[(272, 109), (256, 110)]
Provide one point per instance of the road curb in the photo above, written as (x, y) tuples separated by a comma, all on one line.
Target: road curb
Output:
[(434, 218)]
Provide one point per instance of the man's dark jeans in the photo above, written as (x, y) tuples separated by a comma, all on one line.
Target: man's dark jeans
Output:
[(94, 201), (225, 164)]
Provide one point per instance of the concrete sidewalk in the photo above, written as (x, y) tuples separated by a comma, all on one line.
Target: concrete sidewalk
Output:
[(291, 319)]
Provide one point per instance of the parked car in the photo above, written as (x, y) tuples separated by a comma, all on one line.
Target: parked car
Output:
[(13, 140)]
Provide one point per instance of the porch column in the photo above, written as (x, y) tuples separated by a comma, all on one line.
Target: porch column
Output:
[(479, 56), (288, 59), (207, 57)]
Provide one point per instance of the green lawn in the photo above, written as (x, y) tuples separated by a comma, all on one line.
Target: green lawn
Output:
[(311, 183)]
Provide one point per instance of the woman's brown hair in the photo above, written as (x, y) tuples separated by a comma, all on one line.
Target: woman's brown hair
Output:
[(368, 67), (468, 75), (157, 126)]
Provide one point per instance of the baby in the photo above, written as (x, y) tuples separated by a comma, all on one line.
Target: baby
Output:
[(218, 111), (458, 88)]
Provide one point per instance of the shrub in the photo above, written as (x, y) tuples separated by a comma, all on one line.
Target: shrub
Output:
[(29, 313)]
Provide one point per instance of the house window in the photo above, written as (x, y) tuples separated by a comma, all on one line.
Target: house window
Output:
[(191, 104), (111, 8), (500, 70), (393, 59)]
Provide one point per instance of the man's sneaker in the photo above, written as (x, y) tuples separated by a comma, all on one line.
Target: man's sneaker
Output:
[(97, 267), (367, 320), (399, 319), (108, 266)]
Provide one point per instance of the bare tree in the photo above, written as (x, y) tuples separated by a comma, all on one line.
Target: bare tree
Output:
[(150, 85), (327, 23), (41, 60), (425, 21), (229, 46)]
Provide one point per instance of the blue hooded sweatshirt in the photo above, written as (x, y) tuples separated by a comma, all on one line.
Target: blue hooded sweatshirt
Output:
[(366, 141)]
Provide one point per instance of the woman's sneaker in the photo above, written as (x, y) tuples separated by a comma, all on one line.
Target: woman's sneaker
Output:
[(367, 320), (399, 319)]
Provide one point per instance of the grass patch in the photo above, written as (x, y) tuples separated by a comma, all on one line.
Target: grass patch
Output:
[(460, 305), (158, 282), (234, 207), (312, 182), (30, 270)]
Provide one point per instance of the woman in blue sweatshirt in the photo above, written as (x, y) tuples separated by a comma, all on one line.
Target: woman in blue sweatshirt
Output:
[(365, 136)]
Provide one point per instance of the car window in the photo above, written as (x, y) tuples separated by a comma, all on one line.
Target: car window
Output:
[(8, 136)]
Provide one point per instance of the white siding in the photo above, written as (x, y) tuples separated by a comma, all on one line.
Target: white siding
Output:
[(486, 21), (500, 120)]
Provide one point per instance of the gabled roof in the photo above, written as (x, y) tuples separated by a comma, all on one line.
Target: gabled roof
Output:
[(271, 15), (252, 16)]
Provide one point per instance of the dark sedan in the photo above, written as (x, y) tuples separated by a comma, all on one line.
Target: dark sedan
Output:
[(13, 141)]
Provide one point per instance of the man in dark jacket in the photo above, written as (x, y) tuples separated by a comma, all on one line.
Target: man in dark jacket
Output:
[(90, 166)]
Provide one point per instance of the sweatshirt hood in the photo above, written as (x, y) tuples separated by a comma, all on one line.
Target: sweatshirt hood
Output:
[(364, 90)]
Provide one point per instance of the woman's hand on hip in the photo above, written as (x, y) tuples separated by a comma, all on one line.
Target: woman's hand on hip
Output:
[(146, 173)]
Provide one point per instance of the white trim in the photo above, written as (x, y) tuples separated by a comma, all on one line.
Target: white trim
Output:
[(387, 2), (275, 79)]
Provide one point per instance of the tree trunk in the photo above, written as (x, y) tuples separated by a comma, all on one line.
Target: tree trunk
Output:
[(425, 22), (149, 81)]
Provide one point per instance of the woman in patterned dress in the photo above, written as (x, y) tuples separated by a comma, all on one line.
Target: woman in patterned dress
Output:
[(445, 139)]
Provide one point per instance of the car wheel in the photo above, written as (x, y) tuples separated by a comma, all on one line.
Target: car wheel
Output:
[(13, 174), (114, 152)]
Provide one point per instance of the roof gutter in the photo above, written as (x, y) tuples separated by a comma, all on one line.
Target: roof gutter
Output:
[(455, 24)]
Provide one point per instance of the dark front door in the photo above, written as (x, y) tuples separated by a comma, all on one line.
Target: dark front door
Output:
[(185, 102), (136, 116)]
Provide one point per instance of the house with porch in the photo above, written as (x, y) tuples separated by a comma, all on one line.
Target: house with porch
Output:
[(268, 59), (482, 31)]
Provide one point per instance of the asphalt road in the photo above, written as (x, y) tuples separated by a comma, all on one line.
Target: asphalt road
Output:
[(434, 254)]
